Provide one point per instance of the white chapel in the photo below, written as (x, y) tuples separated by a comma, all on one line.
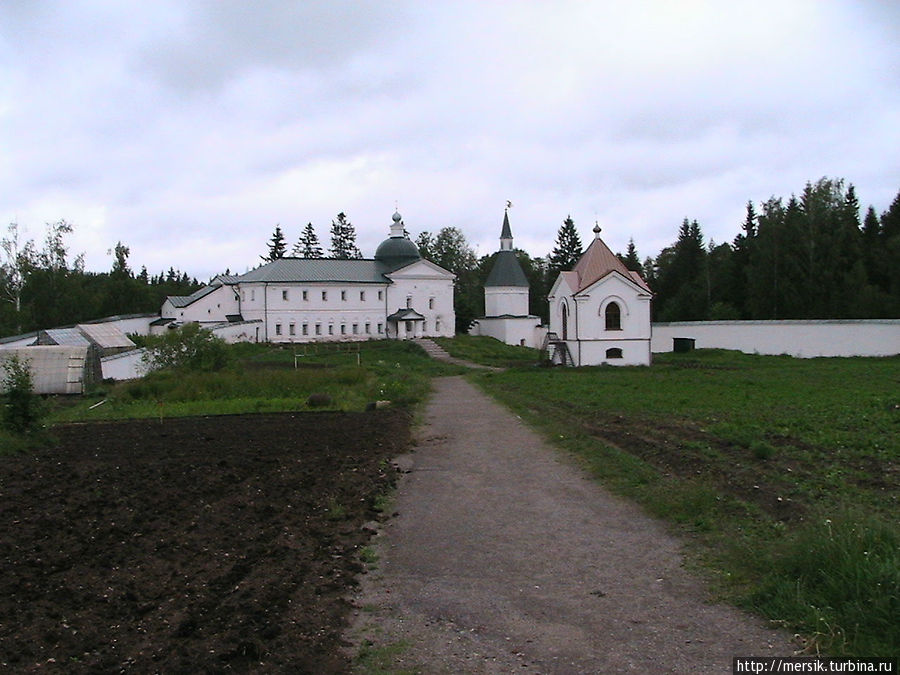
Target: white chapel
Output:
[(396, 294), (599, 312)]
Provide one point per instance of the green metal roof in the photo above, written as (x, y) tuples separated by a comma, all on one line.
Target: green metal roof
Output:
[(318, 270), (506, 271)]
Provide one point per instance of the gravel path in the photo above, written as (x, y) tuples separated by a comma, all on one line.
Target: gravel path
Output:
[(504, 558)]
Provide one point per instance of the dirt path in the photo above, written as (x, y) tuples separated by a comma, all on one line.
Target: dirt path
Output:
[(503, 558)]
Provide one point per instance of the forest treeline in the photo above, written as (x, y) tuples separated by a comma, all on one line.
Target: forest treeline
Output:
[(810, 256), (44, 287)]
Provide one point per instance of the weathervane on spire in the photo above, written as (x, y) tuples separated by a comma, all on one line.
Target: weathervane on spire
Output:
[(508, 205)]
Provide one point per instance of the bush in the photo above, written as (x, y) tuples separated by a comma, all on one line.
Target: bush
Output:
[(187, 348), (22, 411)]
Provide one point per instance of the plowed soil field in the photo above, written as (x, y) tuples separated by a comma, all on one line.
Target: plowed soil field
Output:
[(201, 545)]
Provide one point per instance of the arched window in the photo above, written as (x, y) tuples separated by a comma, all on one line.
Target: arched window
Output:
[(614, 353), (565, 322), (613, 317)]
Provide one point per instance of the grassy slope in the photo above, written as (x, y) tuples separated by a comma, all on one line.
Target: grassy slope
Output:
[(264, 379), (785, 472)]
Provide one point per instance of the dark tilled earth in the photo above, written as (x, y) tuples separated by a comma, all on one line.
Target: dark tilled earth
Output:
[(217, 544)]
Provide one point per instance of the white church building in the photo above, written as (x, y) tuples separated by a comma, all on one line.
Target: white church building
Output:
[(506, 295), (396, 294), (599, 312)]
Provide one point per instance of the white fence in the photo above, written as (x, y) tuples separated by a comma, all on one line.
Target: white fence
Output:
[(804, 339)]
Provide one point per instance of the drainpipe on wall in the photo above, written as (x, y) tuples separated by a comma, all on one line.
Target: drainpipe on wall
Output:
[(266, 310), (577, 338)]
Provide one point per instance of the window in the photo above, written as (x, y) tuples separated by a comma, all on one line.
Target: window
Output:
[(252, 295), (284, 295), (305, 295), (277, 329), (356, 329), (324, 296), (305, 329), (368, 329), (613, 317), (344, 295), (362, 296), (243, 296), (381, 295), (292, 329), (343, 329), (318, 329), (437, 326), (330, 329), (430, 303), (614, 353), (380, 326), (408, 302)]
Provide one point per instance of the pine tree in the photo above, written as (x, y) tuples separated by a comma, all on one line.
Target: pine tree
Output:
[(630, 259), (308, 245), (277, 246), (343, 239), (567, 250)]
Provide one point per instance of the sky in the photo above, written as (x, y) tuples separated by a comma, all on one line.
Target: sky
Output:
[(188, 129)]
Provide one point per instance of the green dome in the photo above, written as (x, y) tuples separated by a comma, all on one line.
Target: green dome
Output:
[(397, 252)]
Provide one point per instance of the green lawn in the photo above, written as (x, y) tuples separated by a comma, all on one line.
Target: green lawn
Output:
[(785, 473)]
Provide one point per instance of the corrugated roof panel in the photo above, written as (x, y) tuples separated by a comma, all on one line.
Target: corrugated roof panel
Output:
[(67, 336), (105, 336)]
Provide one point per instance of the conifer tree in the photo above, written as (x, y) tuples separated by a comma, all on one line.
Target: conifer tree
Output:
[(343, 239), (277, 246), (567, 250), (308, 245)]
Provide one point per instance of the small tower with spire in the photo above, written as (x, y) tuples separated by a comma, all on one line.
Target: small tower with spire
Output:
[(506, 294)]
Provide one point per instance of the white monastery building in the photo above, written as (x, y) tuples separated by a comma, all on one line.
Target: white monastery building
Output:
[(397, 294), (599, 312), (506, 295)]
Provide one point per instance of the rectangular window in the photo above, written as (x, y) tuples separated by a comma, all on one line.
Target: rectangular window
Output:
[(368, 329), (437, 326), (243, 296), (284, 295), (305, 329), (330, 329), (324, 296), (306, 295), (252, 295), (381, 295), (292, 329), (380, 328), (343, 329), (343, 295), (430, 303), (356, 329), (318, 329), (277, 329), (362, 296), (408, 302)]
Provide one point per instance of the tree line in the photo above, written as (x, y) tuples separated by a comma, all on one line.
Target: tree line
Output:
[(804, 257), (43, 287)]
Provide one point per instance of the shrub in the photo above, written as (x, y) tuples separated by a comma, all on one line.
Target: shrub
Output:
[(22, 411), (187, 348)]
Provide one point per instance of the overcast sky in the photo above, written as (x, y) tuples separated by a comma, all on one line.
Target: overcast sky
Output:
[(188, 129)]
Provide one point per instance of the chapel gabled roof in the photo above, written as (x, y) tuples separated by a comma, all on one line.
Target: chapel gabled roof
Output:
[(598, 261)]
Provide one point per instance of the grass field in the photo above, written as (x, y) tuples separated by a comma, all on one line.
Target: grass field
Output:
[(785, 474), (262, 378)]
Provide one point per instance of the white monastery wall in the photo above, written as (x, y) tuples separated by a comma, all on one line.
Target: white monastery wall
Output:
[(523, 331), (804, 339), (128, 365)]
